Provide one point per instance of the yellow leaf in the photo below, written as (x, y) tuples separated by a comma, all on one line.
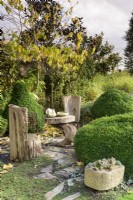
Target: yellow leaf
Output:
[(35, 166), (21, 7), (3, 172), (8, 10), (25, 21), (48, 7), (8, 166), (70, 34), (80, 163), (93, 50)]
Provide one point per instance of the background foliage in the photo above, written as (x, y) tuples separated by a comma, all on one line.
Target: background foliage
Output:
[(111, 103)]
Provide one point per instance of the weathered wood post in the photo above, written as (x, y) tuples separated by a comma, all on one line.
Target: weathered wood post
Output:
[(23, 146)]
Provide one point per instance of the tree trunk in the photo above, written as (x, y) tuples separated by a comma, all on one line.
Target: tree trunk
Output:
[(33, 146)]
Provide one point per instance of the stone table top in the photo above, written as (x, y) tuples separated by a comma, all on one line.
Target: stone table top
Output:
[(60, 120)]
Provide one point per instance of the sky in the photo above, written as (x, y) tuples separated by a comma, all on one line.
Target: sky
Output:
[(108, 16)]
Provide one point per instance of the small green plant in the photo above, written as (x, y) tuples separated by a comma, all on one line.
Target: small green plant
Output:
[(107, 164)]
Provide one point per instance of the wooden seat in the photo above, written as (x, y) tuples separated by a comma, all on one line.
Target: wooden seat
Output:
[(23, 146), (72, 105)]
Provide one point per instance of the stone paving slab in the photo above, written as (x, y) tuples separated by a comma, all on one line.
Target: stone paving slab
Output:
[(67, 161), (55, 155)]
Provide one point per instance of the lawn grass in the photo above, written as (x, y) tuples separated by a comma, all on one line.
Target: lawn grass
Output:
[(128, 196), (19, 184)]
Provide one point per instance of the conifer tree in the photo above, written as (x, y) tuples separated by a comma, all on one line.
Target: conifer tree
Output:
[(129, 47)]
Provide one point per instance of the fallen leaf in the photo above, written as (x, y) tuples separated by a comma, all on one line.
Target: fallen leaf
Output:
[(3, 172), (80, 163), (35, 166), (8, 166)]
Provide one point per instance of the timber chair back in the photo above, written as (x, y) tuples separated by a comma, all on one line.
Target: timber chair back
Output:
[(72, 105), (23, 145)]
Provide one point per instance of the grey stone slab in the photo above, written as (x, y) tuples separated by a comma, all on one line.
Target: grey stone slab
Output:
[(45, 176), (73, 169), (46, 169), (51, 194), (73, 196), (70, 182), (62, 174), (68, 161), (55, 155), (56, 149)]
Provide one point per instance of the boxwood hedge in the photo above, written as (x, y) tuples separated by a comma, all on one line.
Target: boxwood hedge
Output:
[(3, 125), (107, 137), (111, 103), (85, 113), (21, 97)]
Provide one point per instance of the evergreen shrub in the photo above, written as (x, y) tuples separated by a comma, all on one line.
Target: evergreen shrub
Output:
[(21, 97), (107, 137), (111, 103), (3, 125), (85, 113)]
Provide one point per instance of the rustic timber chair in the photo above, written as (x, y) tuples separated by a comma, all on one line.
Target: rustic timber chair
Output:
[(23, 145), (72, 106)]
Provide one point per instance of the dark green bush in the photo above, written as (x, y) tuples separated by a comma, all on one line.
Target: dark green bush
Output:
[(85, 113), (107, 137), (21, 97), (111, 103), (3, 125)]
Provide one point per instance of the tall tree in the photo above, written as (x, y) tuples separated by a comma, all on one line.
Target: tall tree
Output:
[(101, 57), (129, 47), (37, 44)]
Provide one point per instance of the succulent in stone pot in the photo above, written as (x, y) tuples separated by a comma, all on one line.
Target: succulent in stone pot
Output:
[(104, 174), (106, 164)]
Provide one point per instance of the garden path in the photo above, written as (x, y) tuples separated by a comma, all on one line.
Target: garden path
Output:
[(65, 168)]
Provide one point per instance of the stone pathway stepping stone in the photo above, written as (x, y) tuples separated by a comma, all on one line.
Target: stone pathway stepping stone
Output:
[(55, 155), (62, 174), (68, 161), (51, 194), (70, 182), (70, 172), (56, 149), (46, 175), (71, 197), (49, 169)]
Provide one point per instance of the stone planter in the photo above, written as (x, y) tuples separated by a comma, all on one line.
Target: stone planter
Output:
[(104, 179)]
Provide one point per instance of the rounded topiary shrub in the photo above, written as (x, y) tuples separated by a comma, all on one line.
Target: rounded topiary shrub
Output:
[(21, 97), (111, 103), (107, 137)]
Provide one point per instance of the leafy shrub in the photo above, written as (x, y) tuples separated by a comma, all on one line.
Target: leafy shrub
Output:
[(119, 80), (86, 116), (21, 97), (107, 137), (112, 102), (3, 125)]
